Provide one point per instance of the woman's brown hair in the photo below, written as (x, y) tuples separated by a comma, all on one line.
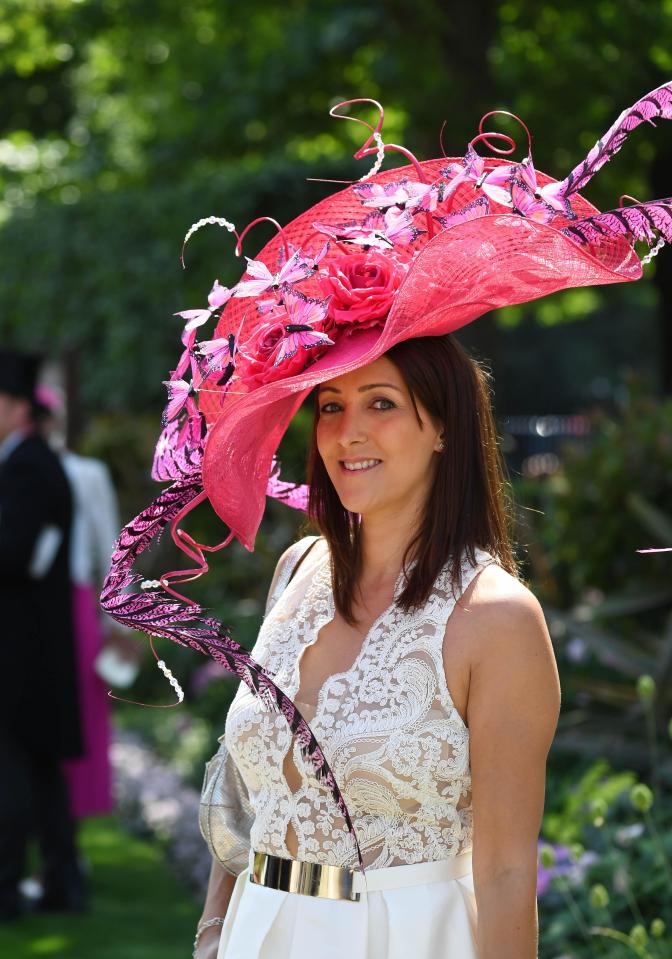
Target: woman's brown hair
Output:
[(468, 505)]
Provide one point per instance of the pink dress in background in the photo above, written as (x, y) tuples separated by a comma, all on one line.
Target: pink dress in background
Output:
[(94, 529), (89, 778)]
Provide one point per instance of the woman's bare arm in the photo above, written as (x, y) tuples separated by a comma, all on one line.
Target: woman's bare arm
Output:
[(514, 702), (220, 887)]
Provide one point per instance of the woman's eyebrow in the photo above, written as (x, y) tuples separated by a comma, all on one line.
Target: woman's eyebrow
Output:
[(368, 386)]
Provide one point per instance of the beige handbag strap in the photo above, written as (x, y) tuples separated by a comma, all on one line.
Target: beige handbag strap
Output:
[(301, 559)]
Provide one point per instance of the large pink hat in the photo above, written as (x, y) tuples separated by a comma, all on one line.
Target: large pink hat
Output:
[(419, 250)]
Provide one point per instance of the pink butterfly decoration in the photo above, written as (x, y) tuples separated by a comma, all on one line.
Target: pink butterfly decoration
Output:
[(218, 296), (312, 260), (270, 308), (189, 357), (216, 352), (181, 396), (550, 195), (218, 355), (293, 271), (394, 227), (471, 169), (302, 312), (524, 202), (428, 200), (353, 231), (478, 207), (405, 194)]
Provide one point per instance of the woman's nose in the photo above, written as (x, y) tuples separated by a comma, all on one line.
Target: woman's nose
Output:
[(350, 428)]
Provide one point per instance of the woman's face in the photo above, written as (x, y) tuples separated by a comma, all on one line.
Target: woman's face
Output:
[(377, 455)]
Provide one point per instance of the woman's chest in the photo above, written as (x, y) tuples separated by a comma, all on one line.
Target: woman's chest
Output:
[(335, 648), (338, 649), (389, 681)]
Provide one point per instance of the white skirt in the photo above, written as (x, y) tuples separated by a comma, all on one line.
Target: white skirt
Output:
[(425, 910)]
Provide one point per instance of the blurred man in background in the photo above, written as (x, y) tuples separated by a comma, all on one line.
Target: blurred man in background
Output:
[(39, 710)]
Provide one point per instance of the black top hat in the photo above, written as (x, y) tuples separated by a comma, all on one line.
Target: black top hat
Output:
[(18, 373)]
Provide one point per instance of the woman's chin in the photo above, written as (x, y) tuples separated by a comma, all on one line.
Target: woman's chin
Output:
[(355, 504)]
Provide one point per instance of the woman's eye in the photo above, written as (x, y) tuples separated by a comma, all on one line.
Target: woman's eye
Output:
[(334, 407)]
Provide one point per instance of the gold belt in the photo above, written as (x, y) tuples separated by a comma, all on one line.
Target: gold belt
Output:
[(309, 878)]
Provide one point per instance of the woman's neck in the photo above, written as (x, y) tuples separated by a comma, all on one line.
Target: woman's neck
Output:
[(384, 542)]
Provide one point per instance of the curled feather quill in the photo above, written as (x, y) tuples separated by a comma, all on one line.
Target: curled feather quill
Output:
[(162, 613), (641, 221), (656, 104)]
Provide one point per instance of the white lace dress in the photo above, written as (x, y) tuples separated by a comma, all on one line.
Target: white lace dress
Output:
[(400, 753)]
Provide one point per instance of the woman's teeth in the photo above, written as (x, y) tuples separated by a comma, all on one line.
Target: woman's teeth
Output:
[(360, 465)]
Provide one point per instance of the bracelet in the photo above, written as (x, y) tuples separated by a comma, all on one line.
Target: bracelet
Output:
[(217, 921)]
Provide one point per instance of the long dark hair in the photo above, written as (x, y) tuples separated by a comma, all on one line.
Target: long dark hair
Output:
[(469, 504)]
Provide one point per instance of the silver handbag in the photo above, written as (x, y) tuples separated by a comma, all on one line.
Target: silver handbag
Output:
[(225, 814)]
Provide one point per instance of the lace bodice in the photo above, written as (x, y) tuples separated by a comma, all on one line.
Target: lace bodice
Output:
[(388, 727)]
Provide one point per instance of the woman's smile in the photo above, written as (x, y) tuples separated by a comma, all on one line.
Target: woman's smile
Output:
[(359, 466)]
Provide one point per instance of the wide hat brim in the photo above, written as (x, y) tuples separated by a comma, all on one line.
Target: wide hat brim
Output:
[(460, 274)]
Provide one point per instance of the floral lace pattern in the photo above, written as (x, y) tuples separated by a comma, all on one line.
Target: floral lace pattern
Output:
[(388, 727)]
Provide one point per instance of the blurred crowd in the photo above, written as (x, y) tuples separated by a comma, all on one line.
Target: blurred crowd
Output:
[(58, 653)]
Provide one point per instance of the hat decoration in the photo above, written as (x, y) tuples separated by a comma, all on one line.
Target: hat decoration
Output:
[(415, 251)]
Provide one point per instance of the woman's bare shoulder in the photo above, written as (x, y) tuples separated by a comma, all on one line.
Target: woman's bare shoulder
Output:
[(495, 585), (497, 607), (500, 612)]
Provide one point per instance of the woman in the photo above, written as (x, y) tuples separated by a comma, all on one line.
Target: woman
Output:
[(407, 444), (401, 659)]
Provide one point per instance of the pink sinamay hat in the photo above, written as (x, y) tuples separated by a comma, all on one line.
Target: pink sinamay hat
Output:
[(419, 250)]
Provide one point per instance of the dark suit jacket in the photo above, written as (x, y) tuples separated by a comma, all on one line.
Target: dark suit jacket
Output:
[(38, 698)]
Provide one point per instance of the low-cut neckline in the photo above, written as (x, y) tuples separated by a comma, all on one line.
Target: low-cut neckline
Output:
[(323, 585)]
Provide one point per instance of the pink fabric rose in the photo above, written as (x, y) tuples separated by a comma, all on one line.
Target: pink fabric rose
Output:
[(362, 285)]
